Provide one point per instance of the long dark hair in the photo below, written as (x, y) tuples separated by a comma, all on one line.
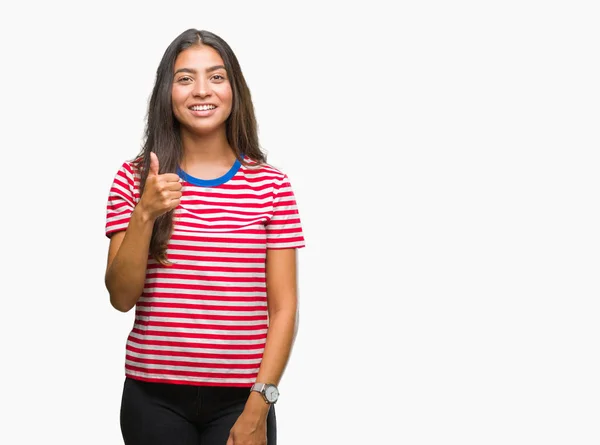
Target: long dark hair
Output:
[(162, 133)]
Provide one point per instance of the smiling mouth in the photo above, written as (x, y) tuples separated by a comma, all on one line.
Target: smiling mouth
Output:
[(202, 107)]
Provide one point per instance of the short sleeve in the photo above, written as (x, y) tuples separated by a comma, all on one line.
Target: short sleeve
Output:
[(284, 229), (122, 199)]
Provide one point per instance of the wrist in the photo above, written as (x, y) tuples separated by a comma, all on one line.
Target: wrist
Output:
[(143, 215), (268, 391), (256, 405)]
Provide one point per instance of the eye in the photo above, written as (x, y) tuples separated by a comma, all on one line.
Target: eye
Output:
[(218, 77), (184, 79)]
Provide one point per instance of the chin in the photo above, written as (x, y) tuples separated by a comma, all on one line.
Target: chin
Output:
[(203, 130)]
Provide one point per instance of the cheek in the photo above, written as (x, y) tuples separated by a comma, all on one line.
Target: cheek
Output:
[(175, 97), (226, 95), (177, 102)]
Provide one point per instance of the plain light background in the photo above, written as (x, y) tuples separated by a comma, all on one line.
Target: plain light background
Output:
[(444, 157)]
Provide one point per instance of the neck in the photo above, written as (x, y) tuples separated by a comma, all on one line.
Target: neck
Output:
[(211, 148)]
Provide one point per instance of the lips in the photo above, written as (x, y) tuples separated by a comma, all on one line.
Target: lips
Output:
[(202, 107), (202, 110)]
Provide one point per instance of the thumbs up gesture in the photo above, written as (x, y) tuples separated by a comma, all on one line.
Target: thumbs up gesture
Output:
[(161, 192)]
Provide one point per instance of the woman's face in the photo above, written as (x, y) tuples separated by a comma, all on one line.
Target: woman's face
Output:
[(201, 93)]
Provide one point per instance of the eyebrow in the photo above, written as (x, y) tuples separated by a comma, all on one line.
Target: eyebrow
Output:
[(193, 71)]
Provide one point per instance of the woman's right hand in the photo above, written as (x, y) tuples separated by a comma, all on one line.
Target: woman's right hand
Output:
[(161, 192)]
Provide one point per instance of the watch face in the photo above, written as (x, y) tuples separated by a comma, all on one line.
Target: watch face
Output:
[(271, 393)]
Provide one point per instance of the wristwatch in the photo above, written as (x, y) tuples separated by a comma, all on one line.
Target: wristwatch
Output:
[(269, 392)]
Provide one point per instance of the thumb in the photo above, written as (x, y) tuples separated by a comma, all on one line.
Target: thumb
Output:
[(153, 163)]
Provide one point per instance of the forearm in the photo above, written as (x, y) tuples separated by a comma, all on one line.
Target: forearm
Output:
[(126, 274), (278, 347), (280, 339)]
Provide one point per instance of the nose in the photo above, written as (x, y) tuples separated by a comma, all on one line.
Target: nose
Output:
[(202, 88)]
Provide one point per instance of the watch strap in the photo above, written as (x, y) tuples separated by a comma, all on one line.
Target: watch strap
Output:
[(260, 387)]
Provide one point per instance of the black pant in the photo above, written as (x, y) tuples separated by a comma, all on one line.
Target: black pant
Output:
[(169, 414)]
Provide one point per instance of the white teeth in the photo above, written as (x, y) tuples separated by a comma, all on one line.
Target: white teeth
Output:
[(203, 107)]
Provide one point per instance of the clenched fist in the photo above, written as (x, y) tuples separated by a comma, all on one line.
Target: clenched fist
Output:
[(161, 192)]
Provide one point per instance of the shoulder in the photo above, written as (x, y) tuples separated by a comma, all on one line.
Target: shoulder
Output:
[(264, 170), (128, 175), (130, 168)]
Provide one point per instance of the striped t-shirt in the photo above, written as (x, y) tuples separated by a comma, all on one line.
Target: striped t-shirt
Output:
[(203, 320)]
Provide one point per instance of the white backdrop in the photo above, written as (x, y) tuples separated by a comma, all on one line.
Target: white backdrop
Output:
[(445, 160)]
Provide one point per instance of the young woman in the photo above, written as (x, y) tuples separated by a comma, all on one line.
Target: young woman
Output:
[(203, 238)]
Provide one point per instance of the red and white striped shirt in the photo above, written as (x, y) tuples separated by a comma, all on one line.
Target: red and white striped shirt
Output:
[(203, 320)]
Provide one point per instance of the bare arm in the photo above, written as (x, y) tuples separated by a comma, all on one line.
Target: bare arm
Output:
[(282, 302), (127, 261), (129, 249), (283, 305)]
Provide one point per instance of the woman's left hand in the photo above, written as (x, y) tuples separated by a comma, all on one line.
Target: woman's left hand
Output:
[(249, 429)]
